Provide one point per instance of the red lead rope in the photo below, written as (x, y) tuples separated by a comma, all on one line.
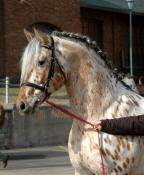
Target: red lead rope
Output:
[(82, 120)]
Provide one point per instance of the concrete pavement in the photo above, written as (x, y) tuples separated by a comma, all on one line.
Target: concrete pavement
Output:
[(38, 161)]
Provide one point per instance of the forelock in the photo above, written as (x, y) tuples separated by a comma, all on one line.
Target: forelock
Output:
[(29, 56)]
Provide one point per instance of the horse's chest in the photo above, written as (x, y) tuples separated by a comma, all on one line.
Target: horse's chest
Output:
[(120, 153), (84, 150)]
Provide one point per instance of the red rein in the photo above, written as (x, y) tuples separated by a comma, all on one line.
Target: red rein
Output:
[(69, 113), (80, 119)]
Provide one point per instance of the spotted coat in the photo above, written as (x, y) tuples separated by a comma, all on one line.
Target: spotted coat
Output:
[(94, 93)]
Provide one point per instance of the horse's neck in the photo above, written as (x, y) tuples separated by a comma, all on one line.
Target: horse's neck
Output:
[(91, 86)]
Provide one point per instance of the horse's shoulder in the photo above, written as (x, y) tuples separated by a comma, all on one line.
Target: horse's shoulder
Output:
[(133, 99), (124, 105), (130, 99)]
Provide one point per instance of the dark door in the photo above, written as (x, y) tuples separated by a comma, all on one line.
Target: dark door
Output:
[(94, 29)]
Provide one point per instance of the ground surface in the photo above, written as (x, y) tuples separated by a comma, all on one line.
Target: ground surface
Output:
[(38, 161)]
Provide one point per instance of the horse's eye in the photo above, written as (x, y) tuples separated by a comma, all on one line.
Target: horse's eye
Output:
[(41, 63)]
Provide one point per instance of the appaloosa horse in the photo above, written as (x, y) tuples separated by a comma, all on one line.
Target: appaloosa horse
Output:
[(95, 93)]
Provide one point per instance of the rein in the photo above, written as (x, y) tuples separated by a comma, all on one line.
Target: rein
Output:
[(69, 113), (82, 120)]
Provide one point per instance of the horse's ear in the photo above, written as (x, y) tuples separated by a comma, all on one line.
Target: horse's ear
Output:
[(42, 37), (28, 35)]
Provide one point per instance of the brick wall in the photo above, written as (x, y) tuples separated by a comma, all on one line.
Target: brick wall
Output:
[(63, 14), (2, 65)]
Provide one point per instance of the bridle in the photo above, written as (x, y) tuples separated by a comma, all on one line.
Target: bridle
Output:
[(53, 61)]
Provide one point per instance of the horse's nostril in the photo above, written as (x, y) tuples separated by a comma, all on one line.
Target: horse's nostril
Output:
[(22, 105)]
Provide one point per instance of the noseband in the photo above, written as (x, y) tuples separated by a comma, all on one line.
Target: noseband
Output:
[(51, 70)]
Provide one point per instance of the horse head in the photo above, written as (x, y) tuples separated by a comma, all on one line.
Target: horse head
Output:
[(41, 73)]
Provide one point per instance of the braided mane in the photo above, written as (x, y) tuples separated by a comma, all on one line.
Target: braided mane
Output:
[(92, 44), (84, 39)]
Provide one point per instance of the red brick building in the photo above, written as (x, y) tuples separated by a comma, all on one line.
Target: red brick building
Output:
[(107, 24)]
